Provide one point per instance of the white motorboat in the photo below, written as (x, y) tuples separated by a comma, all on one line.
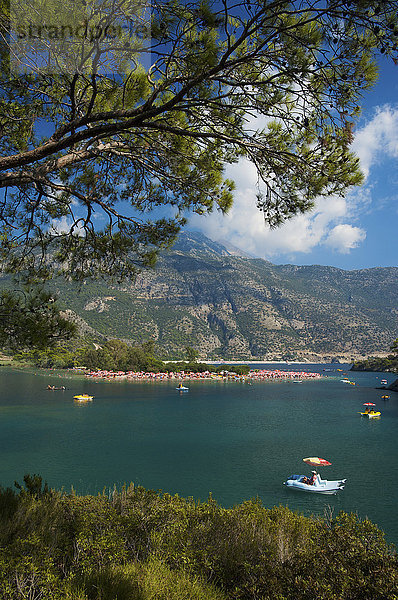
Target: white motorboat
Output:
[(319, 486), (314, 483), (182, 388)]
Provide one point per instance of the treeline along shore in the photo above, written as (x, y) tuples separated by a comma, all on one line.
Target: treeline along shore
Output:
[(387, 363), (117, 360), (138, 544)]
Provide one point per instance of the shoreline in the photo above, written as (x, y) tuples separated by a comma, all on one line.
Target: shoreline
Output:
[(253, 375)]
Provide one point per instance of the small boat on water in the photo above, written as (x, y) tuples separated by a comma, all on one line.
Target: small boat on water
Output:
[(385, 397), (182, 388), (383, 382), (314, 483), (318, 485), (369, 412), (83, 398)]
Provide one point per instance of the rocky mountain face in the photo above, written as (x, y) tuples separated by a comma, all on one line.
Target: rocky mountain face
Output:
[(203, 295)]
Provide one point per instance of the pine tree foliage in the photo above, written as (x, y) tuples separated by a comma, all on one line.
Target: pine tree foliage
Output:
[(32, 320), (103, 155)]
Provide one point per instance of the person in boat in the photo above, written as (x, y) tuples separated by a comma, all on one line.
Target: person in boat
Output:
[(313, 478)]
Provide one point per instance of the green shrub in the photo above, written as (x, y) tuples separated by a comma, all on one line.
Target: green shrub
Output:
[(148, 581), (139, 544)]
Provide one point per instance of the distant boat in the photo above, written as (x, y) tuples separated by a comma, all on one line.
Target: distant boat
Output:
[(83, 398), (182, 388), (384, 382), (345, 380)]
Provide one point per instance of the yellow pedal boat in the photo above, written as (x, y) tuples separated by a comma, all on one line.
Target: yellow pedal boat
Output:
[(371, 414), (83, 398)]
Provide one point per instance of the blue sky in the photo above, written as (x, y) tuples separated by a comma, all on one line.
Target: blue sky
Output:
[(359, 231)]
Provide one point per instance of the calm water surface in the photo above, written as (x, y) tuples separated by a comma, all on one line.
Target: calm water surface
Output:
[(235, 440)]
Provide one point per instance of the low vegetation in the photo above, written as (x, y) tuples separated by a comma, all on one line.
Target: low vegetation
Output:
[(389, 364), (115, 355), (137, 544), (375, 363)]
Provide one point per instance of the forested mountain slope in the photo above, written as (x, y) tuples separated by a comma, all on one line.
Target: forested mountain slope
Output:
[(231, 306)]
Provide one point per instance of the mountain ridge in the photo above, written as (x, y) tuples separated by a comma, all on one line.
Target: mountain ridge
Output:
[(233, 307)]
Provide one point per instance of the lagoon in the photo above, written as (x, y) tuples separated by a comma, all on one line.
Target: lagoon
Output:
[(232, 439)]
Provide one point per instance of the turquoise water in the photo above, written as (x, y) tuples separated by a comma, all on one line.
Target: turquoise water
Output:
[(235, 440)]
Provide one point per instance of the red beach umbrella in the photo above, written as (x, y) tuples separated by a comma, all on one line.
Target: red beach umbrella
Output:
[(315, 461)]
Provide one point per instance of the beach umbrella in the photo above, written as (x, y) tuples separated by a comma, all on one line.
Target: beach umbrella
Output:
[(315, 461)]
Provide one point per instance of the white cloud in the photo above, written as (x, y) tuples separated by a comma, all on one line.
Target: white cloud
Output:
[(244, 225), (332, 222), (379, 137), (345, 237), (61, 225), (64, 225)]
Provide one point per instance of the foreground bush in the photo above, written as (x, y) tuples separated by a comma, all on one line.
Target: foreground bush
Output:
[(137, 544)]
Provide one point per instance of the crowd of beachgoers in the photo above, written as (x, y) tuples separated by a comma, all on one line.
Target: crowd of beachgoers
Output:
[(254, 375)]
